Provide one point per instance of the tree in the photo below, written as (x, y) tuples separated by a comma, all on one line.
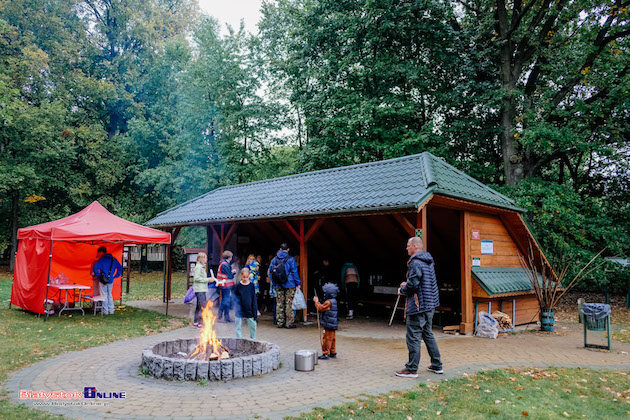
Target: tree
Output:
[(559, 64), (223, 80)]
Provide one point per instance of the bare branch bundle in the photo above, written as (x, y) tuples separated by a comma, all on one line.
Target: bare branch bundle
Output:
[(548, 286)]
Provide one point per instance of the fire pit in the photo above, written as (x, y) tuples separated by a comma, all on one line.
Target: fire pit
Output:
[(209, 357), (169, 360)]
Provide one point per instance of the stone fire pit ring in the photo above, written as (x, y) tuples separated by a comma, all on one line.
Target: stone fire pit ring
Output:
[(261, 358)]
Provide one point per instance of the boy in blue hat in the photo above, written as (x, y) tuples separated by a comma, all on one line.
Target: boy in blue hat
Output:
[(329, 320)]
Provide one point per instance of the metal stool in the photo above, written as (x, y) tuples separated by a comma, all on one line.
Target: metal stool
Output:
[(97, 302)]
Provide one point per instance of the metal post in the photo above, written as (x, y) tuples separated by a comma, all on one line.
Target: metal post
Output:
[(48, 279), (608, 329), (476, 315), (164, 278), (514, 313), (168, 269)]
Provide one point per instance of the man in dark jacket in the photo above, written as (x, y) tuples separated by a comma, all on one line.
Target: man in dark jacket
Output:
[(284, 275), (422, 296)]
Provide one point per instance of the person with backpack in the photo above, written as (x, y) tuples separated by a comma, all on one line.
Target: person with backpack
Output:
[(225, 284), (285, 278), (107, 269)]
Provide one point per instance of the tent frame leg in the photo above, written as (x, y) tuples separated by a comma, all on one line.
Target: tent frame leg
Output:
[(48, 281)]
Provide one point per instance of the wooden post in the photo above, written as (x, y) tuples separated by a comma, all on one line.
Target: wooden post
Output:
[(466, 326), (209, 244), (425, 230), (169, 264), (303, 266), (222, 238)]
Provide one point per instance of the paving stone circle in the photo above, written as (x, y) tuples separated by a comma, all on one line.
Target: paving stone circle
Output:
[(262, 357)]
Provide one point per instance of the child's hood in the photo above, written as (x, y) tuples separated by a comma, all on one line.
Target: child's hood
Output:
[(330, 290)]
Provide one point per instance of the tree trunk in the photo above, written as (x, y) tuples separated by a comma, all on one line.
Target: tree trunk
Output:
[(14, 228), (512, 156)]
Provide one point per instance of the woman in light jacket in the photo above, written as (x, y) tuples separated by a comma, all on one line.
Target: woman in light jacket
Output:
[(200, 286)]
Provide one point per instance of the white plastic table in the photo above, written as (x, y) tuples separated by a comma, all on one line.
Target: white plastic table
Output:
[(67, 287)]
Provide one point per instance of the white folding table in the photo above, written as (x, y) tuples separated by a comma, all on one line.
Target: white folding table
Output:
[(67, 287)]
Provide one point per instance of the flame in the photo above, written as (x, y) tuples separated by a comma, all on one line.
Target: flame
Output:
[(208, 337)]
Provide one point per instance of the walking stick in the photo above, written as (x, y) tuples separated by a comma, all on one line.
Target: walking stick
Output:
[(394, 312), (321, 342)]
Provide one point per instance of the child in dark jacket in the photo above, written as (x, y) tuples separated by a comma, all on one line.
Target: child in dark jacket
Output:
[(246, 306), (329, 320)]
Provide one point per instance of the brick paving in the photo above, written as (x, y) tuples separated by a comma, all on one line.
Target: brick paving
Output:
[(369, 352)]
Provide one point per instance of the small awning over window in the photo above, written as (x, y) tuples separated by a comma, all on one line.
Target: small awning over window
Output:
[(503, 280)]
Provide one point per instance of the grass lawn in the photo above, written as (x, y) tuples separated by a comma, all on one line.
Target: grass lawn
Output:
[(148, 286), (27, 339), (506, 393)]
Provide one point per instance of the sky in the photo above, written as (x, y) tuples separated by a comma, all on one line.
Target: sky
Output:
[(232, 11)]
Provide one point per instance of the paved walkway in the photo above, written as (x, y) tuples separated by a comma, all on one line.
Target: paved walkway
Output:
[(364, 366)]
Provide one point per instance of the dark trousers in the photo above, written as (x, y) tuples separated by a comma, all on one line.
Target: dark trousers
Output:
[(418, 329), (226, 302), (352, 289), (201, 302)]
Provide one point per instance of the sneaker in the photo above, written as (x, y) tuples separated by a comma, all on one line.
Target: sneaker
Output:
[(200, 326), (290, 327), (323, 357), (280, 326), (333, 355), (406, 373), (433, 369)]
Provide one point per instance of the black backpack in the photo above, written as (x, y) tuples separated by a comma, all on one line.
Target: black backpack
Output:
[(278, 271)]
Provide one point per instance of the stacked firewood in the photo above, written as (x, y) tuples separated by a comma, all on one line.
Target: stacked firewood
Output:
[(504, 320)]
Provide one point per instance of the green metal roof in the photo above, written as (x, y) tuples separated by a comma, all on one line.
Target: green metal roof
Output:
[(502, 280), (401, 183)]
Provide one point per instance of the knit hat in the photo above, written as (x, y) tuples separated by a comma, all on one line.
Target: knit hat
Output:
[(330, 289)]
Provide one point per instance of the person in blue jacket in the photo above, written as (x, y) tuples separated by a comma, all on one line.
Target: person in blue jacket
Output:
[(109, 267), (225, 284), (285, 278), (422, 295)]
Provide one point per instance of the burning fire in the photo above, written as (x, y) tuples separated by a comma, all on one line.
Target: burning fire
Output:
[(209, 346)]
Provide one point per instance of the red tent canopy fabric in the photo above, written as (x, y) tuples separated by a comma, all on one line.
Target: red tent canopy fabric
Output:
[(73, 242), (95, 223)]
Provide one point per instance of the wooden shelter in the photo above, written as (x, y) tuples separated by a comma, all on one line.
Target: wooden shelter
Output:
[(364, 214)]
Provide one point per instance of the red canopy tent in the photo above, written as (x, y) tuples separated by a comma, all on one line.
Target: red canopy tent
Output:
[(69, 246)]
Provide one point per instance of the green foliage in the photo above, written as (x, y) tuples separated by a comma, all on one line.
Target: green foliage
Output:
[(145, 104), (571, 228)]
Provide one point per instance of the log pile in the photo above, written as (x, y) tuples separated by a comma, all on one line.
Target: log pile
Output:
[(504, 320)]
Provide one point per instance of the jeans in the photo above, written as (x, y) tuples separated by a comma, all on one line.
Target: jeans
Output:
[(419, 328), (201, 302), (108, 303), (251, 323), (226, 302)]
